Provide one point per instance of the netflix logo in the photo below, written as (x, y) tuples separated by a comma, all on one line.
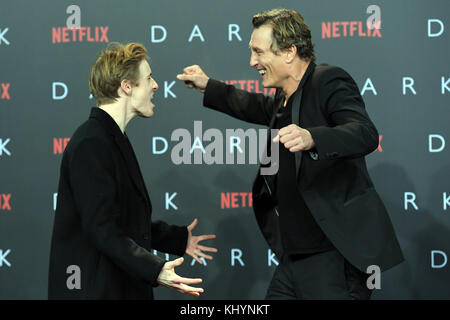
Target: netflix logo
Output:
[(232, 200), (82, 34), (344, 29), (4, 91), (59, 145), (5, 199), (251, 86), (380, 149)]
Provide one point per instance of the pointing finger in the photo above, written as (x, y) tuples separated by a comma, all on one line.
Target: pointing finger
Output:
[(185, 77)]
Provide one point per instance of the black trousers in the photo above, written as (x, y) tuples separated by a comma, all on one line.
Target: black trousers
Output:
[(320, 276)]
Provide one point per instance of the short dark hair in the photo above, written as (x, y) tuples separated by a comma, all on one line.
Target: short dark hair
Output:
[(288, 28)]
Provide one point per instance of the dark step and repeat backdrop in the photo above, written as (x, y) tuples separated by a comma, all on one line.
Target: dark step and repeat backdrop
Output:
[(401, 67)]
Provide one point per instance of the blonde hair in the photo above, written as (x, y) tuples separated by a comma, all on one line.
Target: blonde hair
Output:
[(112, 65)]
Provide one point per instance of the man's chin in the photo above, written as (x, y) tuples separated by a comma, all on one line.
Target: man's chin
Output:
[(147, 114), (266, 84), (150, 112)]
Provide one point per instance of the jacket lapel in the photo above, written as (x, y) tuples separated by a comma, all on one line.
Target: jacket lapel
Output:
[(123, 145), (132, 164), (268, 149), (296, 103), (296, 106)]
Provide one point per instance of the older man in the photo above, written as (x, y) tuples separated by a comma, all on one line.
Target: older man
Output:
[(320, 213)]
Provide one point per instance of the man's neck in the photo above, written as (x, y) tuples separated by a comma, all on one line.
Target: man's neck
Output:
[(118, 112), (294, 79)]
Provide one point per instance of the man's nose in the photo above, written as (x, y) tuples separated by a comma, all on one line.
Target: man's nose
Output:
[(155, 86), (253, 61)]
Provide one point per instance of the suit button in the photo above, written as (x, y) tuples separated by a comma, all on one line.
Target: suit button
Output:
[(333, 155), (145, 236), (314, 155)]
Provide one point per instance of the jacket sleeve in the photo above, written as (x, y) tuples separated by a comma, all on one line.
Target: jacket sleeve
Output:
[(94, 189), (350, 133), (251, 107), (170, 239)]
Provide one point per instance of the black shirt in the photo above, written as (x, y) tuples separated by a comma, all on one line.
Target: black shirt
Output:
[(300, 233)]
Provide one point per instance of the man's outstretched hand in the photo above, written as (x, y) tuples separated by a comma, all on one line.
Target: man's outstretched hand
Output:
[(193, 248), (168, 278), (194, 77)]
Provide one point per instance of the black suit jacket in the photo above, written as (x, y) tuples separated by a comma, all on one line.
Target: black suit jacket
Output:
[(333, 177), (103, 219)]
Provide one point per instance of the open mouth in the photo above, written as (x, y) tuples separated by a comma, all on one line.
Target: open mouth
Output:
[(262, 72)]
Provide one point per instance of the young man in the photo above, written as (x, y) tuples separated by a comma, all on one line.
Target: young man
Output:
[(320, 213), (103, 234)]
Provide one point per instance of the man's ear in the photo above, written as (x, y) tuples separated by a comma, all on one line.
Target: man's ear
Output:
[(291, 52), (125, 87)]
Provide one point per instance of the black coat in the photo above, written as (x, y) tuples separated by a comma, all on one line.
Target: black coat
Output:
[(103, 219), (333, 177)]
